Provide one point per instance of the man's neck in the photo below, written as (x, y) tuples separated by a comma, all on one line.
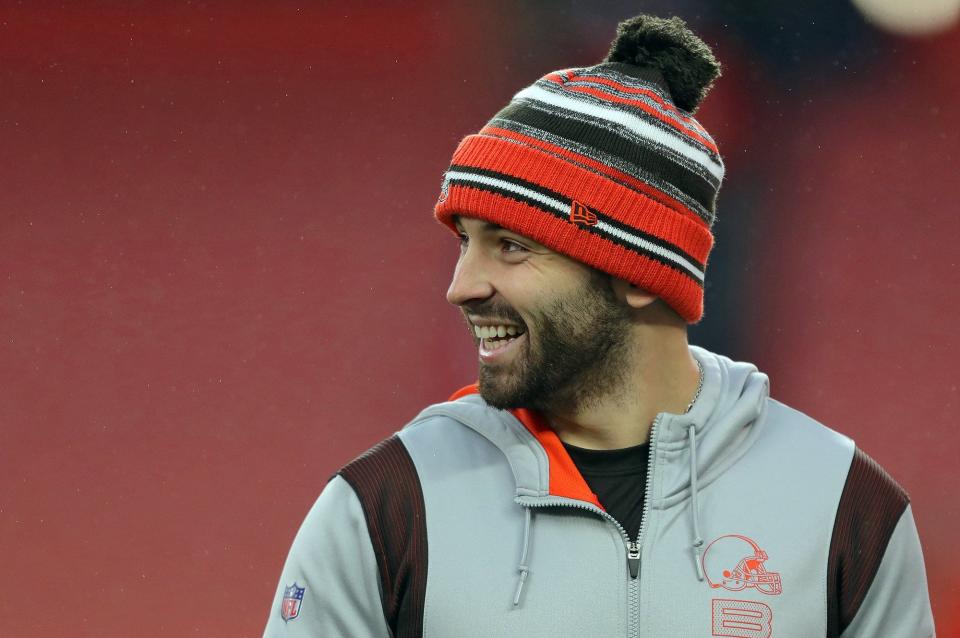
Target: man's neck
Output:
[(664, 377)]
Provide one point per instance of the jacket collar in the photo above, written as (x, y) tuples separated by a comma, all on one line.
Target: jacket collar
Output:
[(725, 416)]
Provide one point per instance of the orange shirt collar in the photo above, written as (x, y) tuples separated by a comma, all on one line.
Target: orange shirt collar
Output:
[(565, 478)]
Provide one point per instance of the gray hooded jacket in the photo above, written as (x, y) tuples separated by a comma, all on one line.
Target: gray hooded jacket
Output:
[(474, 522)]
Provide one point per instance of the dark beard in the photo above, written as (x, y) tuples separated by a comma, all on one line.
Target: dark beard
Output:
[(580, 354)]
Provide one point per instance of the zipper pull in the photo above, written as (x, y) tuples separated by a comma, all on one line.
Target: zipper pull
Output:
[(633, 559)]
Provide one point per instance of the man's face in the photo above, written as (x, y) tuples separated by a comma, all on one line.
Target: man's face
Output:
[(550, 332)]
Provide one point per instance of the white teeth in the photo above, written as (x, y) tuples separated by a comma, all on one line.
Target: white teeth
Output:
[(493, 332)]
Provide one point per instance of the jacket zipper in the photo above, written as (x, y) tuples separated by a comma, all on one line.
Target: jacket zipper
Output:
[(633, 558), (652, 452), (633, 547), (634, 602), (562, 501)]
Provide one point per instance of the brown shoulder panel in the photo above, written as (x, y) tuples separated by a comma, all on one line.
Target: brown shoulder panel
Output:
[(870, 506), (386, 482)]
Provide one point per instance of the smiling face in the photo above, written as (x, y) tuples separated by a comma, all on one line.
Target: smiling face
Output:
[(551, 333)]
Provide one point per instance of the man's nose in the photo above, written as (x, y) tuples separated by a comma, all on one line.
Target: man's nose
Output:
[(471, 280)]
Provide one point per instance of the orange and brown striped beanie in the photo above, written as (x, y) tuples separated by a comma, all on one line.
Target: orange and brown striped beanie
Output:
[(606, 164)]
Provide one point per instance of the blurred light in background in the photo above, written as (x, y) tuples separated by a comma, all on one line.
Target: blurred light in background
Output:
[(919, 17)]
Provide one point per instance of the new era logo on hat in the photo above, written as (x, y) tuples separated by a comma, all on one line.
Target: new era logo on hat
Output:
[(581, 215)]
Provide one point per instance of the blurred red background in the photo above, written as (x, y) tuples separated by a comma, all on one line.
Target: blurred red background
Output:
[(220, 278)]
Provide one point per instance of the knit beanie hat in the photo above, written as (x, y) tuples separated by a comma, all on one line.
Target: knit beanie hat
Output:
[(606, 164)]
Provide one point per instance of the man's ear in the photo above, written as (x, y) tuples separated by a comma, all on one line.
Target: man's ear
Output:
[(634, 297)]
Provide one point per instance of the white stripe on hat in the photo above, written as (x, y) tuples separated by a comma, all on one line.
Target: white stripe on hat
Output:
[(627, 120), (563, 208), (652, 248), (552, 202)]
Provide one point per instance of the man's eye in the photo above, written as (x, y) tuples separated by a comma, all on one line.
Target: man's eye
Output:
[(463, 239), (511, 246)]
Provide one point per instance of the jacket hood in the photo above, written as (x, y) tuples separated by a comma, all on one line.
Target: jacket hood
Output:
[(726, 419)]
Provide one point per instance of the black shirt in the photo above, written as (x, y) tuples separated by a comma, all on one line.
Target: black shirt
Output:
[(618, 478)]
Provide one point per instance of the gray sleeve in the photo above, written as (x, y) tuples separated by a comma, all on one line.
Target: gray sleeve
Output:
[(897, 604), (332, 559)]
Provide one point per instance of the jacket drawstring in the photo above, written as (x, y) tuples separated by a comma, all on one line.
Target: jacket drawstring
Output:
[(522, 567), (694, 507)]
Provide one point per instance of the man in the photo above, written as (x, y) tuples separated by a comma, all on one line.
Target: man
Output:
[(603, 478)]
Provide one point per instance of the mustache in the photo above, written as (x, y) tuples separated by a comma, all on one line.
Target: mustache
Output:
[(492, 309)]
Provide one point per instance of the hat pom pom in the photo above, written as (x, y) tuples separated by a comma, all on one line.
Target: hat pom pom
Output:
[(686, 63)]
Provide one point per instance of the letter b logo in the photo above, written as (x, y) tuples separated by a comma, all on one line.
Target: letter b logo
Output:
[(741, 619)]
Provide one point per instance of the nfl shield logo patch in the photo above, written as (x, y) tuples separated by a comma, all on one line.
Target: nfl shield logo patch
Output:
[(292, 599)]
